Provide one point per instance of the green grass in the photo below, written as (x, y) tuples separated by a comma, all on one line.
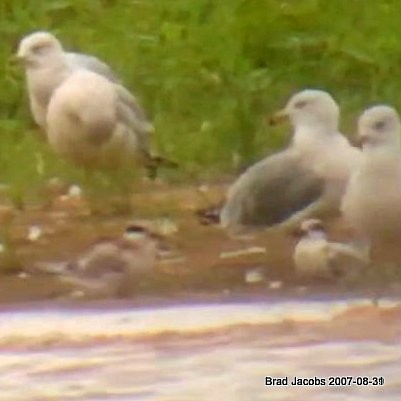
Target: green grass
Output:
[(206, 71)]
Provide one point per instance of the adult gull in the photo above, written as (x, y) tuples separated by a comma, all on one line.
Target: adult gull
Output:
[(88, 116), (305, 179), (372, 201), (47, 66)]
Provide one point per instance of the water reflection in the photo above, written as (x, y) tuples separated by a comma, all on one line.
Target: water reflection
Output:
[(198, 352)]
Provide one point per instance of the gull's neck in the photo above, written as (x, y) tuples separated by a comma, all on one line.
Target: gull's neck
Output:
[(381, 160), (46, 76), (307, 135), (381, 151), (57, 61)]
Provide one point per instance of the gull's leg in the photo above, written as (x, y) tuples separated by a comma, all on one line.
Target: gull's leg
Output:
[(320, 207)]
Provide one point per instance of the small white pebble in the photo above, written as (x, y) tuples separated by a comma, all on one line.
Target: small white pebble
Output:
[(275, 285), (23, 275), (242, 252), (203, 188), (171, 261), (167, 227), (2, 248), (254, 276), (75, 191), (34, 233)]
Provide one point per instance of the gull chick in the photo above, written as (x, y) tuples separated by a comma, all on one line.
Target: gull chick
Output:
[(307, 178), (372, 202), (113, 268), (317, 257)]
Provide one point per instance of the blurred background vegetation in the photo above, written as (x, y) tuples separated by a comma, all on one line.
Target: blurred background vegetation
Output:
[(207, 72)]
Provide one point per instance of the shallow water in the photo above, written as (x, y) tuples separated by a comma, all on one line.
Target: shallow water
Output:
[(199, 351)]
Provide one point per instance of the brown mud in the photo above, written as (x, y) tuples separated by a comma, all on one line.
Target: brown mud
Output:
[(206, 261)]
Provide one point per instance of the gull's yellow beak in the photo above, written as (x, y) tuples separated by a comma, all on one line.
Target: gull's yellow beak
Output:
[(278, 117)]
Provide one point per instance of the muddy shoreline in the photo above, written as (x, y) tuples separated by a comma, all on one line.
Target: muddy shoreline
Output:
[(209, 264)]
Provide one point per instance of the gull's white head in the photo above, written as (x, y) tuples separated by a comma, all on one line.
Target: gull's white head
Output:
[(36, 48), (311, 107), (311, 227), (379, 126), (136, 233)]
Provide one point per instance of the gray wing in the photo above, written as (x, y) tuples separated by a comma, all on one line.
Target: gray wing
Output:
[(128, 99), (103, 258), (131, 114), (346, 262), (271, 191), (93, 64)]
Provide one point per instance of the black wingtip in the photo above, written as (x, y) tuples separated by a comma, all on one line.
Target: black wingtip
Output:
[(161, 161), (155, 162)]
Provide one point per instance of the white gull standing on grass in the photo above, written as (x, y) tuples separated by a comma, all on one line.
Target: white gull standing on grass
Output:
[(47, 66), (90, 123), (372, 202), (308, 178), (317, 257), (89, 118)]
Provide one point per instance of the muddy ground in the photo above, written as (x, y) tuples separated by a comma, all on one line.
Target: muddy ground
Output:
[(204, 260)]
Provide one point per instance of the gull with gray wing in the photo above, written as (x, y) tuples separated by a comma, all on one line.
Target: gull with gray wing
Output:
[(306, 179), (372, 202), (90, 124), (88, 116), (47, 66)]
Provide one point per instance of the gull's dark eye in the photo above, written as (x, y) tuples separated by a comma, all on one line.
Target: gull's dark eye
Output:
[(379, 125), (39, 48), (134, 228), (300, 104)]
